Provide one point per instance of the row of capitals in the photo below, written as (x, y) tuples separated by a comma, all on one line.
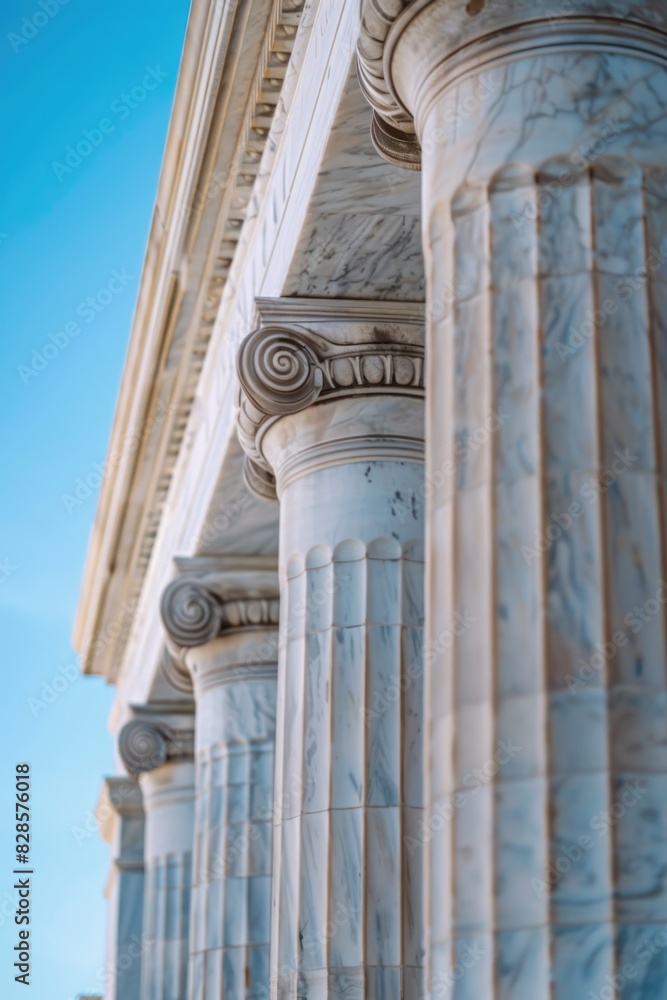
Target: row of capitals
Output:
[(305, 352), (208, 599)]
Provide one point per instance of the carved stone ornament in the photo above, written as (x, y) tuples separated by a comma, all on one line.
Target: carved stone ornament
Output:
[(144, 745), (174, 669), (443, 41), (392, 130), (283, 370), (193, 612)]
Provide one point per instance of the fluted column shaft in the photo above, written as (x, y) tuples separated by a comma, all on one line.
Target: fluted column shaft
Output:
[(346, 892), (162, 758), (235, 691), (221, 616), (121, 817), (544, 142), (169, 803)]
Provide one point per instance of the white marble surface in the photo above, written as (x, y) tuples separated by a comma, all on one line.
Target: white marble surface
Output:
[(121, 817), (168, 794), (235, 690), (515, 259), (362, 235), (544, 197), (347, 895), (317, 78)]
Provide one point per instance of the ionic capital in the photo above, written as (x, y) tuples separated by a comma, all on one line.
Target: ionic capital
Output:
[(151, 739), (195, 613), (392, 129), (211, 598), (369, 349), (409, 51)]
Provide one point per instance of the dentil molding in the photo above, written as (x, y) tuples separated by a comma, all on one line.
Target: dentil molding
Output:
[(227, 111)]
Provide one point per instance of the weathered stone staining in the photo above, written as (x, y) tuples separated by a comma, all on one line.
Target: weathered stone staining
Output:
[(399, 732)]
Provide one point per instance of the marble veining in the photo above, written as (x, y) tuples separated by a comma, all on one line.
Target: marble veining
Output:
[(564, 500)]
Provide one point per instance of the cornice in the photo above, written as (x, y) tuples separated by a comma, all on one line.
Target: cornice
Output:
[(235, 57)]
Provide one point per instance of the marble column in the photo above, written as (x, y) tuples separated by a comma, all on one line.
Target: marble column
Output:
[(542, 133), (157, 747), (120, 814), (223, 627), (331, 415)]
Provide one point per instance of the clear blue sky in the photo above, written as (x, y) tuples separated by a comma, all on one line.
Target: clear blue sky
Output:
[(62, 235)]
